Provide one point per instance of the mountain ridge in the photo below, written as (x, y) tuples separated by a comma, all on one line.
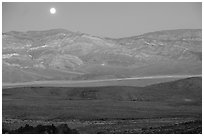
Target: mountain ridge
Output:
[(171, 51)]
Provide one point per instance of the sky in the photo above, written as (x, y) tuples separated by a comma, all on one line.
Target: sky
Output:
[(113, 20)]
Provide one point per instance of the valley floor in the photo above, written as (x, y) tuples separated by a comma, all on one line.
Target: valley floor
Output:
[(133, 81)]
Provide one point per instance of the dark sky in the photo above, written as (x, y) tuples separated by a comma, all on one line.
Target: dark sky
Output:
[(102, 19)]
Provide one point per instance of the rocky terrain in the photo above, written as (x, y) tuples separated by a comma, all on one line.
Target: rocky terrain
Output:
[(40, 129), (125, 126), (60, 54)]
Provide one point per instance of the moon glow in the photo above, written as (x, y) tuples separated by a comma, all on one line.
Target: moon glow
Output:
[(52, 11)]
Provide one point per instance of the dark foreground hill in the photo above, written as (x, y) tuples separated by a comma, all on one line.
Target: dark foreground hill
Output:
[(102, 102), (184, 90)]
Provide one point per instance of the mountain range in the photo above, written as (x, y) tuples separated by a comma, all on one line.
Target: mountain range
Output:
[(59, 54)]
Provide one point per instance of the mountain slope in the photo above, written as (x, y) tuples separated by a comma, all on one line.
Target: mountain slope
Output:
[(82, 56)]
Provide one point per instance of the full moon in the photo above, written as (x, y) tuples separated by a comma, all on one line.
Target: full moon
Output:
[(52, 10)]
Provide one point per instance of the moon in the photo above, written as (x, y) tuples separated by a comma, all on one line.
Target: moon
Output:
[(52, 10)]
